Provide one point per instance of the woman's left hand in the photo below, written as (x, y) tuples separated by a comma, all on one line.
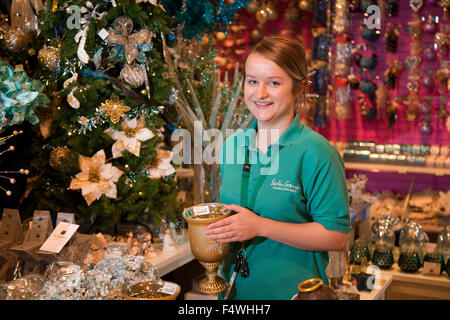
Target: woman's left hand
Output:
[(243, 225)]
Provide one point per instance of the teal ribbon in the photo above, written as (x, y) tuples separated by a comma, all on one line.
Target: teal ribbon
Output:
[(19, 96)]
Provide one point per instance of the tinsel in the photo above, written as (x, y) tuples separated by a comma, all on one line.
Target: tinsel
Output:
[(200, 17), (19, 96)]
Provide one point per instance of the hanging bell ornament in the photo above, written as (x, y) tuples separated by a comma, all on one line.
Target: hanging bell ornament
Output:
[(16, 40), (49, 58), (133, 75)]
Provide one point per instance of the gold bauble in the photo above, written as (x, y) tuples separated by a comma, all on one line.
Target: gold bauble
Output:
[(16, 40), (49, 58), (133, 75), (272, 13), (256, 35), (220, 36), (306, 5), (59, 158)]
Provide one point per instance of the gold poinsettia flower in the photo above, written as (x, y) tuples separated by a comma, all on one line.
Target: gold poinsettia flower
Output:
[(134, 131), (96, 178)]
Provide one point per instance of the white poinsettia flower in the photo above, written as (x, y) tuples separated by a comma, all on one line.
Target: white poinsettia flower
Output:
[(134, 131), (162, 167), (96, 178)]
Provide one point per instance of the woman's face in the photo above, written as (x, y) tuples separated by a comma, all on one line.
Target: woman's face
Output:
[(268, 91)]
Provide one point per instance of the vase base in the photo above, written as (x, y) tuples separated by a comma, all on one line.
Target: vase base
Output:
[(211, 287)]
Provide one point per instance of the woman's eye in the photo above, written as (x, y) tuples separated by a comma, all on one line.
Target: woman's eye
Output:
[(274, 83), (251, 82)]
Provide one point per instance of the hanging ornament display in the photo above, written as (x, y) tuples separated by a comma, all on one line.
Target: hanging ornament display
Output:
[(49, 57), (392, 73), (16, 40), (114, 108), (391, 37)]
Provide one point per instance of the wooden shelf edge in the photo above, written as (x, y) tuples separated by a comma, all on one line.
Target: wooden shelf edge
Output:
[(381, 167)]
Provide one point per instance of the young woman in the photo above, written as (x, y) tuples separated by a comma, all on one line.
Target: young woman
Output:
[(292, 204)]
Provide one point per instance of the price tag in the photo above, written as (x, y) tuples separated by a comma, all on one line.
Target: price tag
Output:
[(103, 34), (59, 237), (201, 210), (169, 288), (431, 268)]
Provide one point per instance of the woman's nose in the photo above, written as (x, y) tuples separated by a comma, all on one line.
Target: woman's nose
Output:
[(262, 91)]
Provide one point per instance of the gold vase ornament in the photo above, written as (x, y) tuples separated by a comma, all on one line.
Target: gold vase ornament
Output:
[(208, 252)]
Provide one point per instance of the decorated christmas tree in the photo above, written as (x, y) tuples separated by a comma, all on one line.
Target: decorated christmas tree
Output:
[(101, 148)]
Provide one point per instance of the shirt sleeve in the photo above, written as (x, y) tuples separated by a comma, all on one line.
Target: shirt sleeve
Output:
[(327, 195)]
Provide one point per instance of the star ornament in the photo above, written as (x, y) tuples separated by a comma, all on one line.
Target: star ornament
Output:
[(96, 178), (114, 108), (134, 131)]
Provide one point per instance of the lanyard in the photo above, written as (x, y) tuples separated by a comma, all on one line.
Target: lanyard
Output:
[(244, 184)]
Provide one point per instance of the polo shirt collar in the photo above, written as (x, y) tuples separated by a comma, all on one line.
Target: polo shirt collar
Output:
[(287, 138)]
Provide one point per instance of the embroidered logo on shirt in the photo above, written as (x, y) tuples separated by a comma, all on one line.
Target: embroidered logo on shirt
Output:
[(284, 186)]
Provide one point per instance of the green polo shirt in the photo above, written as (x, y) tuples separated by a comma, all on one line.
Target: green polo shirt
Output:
[(305, 182)]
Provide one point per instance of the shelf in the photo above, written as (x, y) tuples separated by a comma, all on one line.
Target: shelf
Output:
[(380, 167)]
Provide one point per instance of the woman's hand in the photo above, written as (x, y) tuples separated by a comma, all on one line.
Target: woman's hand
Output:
[(243, 225)]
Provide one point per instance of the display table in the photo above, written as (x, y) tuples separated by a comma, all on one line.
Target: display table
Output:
[(169, 261), (396, 284)]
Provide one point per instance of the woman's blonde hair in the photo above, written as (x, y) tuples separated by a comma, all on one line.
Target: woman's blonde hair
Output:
[(290, 56)]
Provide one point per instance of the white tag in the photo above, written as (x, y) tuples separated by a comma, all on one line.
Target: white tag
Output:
[(200, 210), (432, 268), (169, 288), (114, 3), (103, 34), (59, 237)]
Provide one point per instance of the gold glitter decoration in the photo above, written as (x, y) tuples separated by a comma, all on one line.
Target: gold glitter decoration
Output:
[(114, 108), (59, 158)]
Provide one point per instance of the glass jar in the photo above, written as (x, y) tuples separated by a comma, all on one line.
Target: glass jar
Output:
[(437, 256), (412, 243), (443, 248), (359, 252), (383, 239)]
